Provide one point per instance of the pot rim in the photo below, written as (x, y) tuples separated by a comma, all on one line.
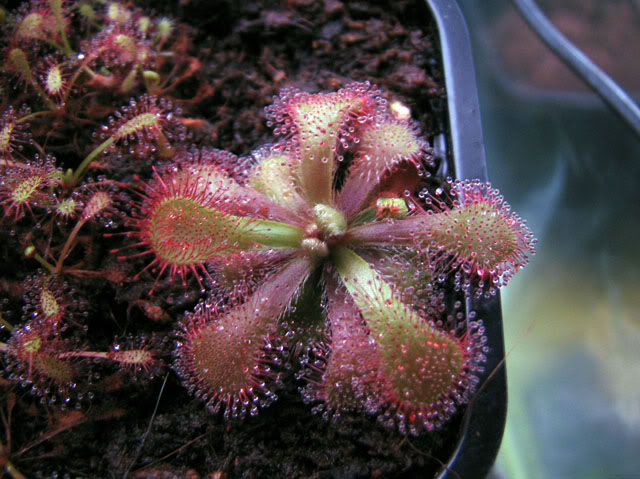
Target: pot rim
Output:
[(485, 416)]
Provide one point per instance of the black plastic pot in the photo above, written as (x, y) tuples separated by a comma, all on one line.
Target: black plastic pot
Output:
[(483, 423)]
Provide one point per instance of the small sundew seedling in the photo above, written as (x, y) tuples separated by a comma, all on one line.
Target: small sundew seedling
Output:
[(117, 13), (14, 134), (119, 46), (146, 126), (46, 299), (54, 77), (137, 360), (137, 357), (66, 208), (26, 187), (87, 13), (147, 120), (38, 24), (17, 62), (59, 13), (99, 203), (164, 28), (31, 27), (143, 23), (376, 249), (33, 359), (54, 83)]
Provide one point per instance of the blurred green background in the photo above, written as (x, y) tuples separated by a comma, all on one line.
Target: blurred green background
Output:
[(572, 169)]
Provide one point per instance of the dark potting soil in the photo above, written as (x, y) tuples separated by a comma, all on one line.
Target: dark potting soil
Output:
[(248, 52)]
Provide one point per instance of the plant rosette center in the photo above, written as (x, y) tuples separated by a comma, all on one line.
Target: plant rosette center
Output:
[(327, 229)]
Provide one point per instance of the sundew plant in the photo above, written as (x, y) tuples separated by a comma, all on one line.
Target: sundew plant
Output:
[(334, 213), (325, 257)]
